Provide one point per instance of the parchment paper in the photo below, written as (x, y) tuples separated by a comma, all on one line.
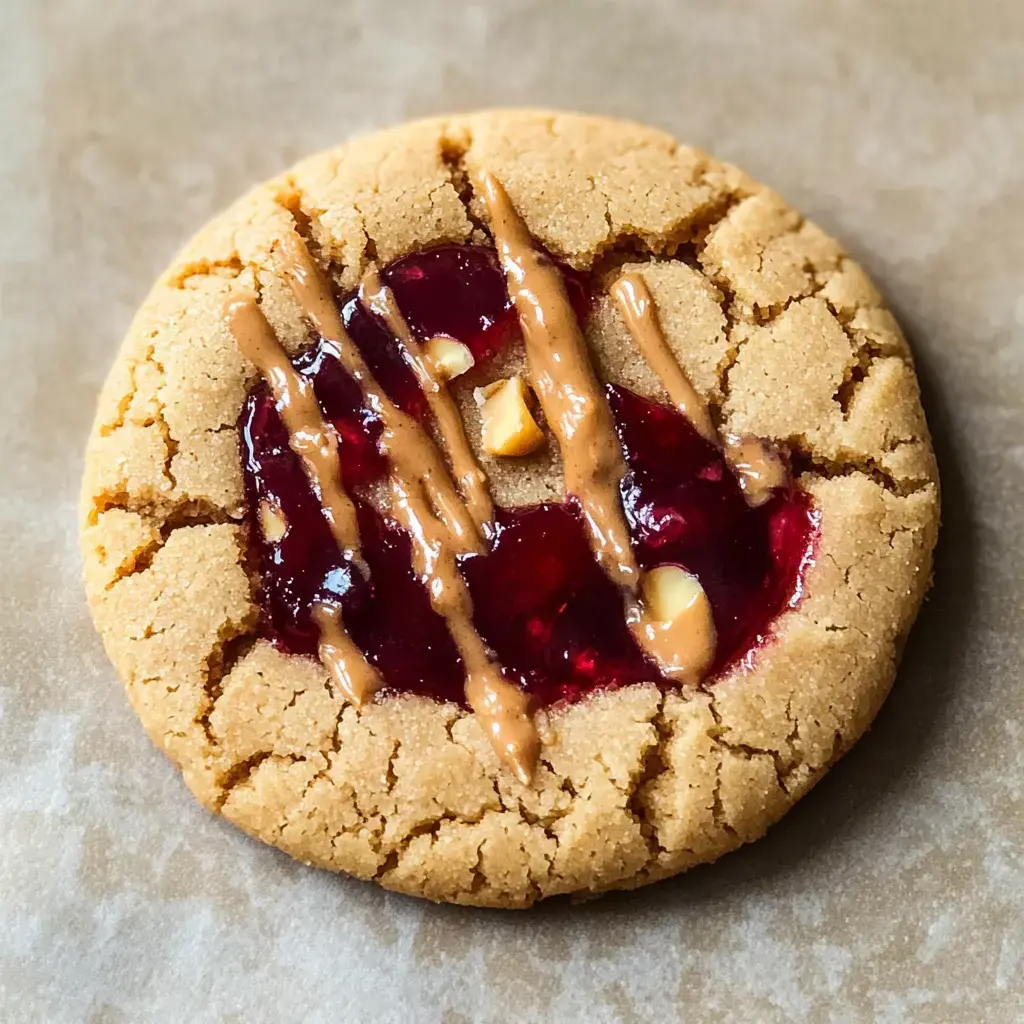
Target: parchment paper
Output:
[(895, 892)]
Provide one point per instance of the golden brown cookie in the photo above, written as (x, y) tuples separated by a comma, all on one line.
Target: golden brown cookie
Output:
[(781, 335)]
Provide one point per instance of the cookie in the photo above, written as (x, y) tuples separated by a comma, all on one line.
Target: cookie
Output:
[(508, 505)]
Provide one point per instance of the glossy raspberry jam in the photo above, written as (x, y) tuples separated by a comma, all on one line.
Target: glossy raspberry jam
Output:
[(540, 600)]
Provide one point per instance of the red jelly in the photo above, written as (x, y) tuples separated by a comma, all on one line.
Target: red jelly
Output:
[(541, 602)]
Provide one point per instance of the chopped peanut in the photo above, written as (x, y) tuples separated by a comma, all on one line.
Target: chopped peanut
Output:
[(272, 521), (508, 426), (669, 591), (674, 624), (448, 358)]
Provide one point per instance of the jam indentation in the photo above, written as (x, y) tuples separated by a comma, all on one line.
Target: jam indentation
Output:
[(541, 602)]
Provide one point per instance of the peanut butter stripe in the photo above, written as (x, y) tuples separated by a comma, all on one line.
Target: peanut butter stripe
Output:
[(501, 709), (758, 468), (568, 391), (309, 436), (354, 676), (316, 445), (427, 504), (471, 479), (637, 306)]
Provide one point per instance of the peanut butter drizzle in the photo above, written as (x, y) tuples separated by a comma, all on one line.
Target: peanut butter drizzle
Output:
[(757, 467), (310, 438), (316, 445), (637, 305), (357, 679), (501, 709), (472, 481), (427, 504), (568, 391), (683, 647)]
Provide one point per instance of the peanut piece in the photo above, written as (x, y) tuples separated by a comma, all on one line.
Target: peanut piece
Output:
[(508, 425)]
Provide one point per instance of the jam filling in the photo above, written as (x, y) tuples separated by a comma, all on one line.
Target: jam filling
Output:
[(551, 615)]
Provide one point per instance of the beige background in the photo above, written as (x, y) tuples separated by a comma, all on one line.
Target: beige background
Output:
[(894, 893)]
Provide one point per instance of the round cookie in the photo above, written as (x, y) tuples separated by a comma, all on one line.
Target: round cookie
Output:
[(781, 335)]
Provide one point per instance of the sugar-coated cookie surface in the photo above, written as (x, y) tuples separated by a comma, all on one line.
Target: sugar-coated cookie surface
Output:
[(780, 333)]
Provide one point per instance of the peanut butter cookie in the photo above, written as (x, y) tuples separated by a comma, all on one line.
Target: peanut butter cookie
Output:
[(507, 505)]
